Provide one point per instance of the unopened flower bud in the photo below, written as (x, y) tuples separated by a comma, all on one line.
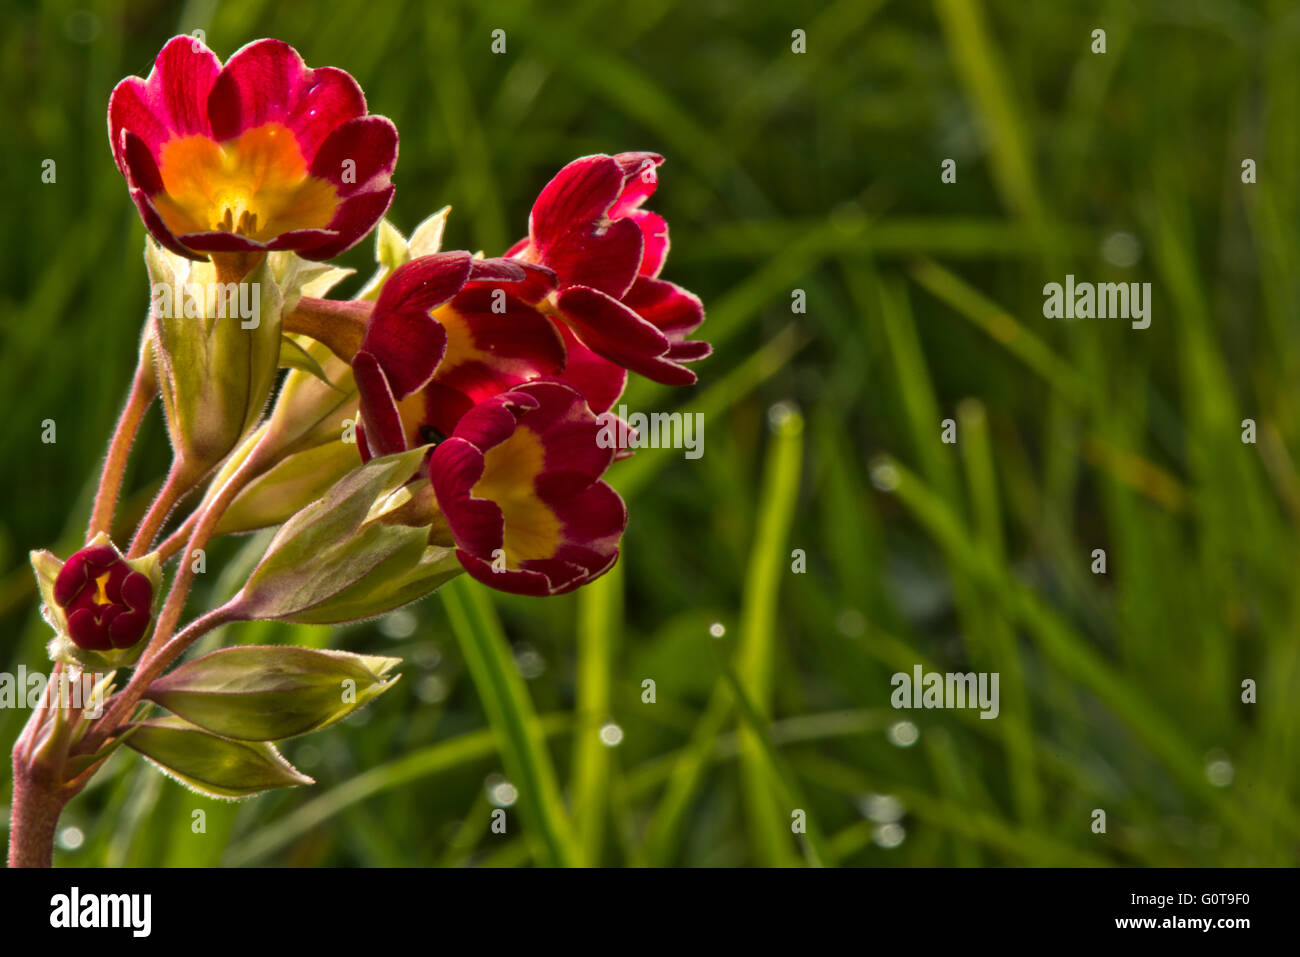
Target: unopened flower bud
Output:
[(107, 603)]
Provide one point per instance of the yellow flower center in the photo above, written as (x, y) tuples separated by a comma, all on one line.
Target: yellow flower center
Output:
[(255, 185), (532, 529), (101, 597)]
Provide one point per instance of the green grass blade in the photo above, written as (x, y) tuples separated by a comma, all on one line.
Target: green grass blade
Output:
[(510, 712)]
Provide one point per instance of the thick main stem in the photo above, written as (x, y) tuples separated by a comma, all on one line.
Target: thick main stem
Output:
[(33, 816), (38, 797), (143, 389)]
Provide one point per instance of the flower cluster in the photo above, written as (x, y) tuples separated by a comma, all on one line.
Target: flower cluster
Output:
[(446, 419), (502, 364)]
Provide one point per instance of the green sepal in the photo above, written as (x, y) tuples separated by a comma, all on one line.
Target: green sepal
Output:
[(214, 375), (298, 277), (304, 435), (391, 251), (426, 239), (300, 479), (294, 356), (339, 560), (271, 692), (84, 765), (215, 766)]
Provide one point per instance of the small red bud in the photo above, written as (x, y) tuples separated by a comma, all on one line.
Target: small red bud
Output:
[(108, 604)]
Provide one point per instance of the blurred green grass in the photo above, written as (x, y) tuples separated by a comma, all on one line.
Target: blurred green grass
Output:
[(819, 172)]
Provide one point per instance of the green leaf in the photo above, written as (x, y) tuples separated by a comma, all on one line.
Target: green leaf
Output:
[(292, 484), (339, 560), (217, 767), (294, 356), (270, 692)]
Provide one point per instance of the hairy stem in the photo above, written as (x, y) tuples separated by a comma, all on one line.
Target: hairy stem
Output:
[(38, 797), (339, 324), (163, 648), (180, 480), (143, 389), (34, 815)]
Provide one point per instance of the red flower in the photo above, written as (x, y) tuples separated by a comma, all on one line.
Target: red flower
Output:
[(519, 484), (260, 154), (446, 332), (606, 251), (108, 604)]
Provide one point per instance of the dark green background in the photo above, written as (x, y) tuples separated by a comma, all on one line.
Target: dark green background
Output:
[(815, 171)]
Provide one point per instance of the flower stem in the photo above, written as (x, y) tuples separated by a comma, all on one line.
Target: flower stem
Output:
[(180, 480), (339, 324), (163, 648), (143, 389)]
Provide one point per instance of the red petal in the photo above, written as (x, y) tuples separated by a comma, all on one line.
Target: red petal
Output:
[(86, 632), (384, 434), (491, 422), (352, 222), (138, 164), (491, 351), (664, 371), (606, 259), (690, 351), (153, 222), (444, 407), (666, 306), (402, 336), (577, 197), (571, 233), (594, 519), (186, 71), (600, 381), (515, 581), (217, 241), (261, 83), (328, 100), (364, 150), (609, 328), (131, 107), (80, 568), (654, 238), (299, 238), (128, 627), (497, 270), (538, 283), (137, 591), (639, 181), (171, 102)]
